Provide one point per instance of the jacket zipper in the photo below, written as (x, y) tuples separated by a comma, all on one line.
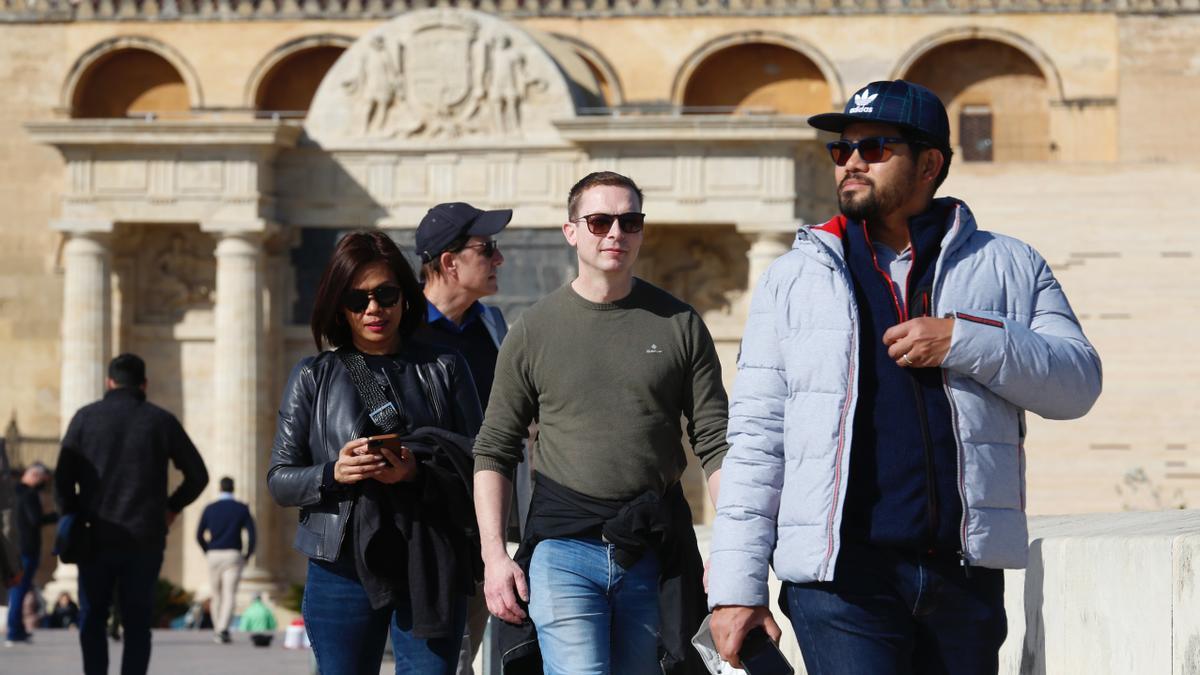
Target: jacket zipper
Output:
[(429, 393), (963, 558), (962, 488)]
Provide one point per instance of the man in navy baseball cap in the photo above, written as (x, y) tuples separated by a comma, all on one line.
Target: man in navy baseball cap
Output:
[(925, 341), (444, 224), (906, 105)]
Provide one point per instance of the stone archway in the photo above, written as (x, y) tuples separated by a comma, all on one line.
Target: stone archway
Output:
[(773, 69), (286, 80), (996, 95), (162, 77)]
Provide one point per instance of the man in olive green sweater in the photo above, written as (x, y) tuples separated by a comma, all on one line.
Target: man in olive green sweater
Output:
[(608, 365)]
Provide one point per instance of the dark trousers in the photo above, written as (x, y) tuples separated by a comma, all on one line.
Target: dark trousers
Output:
[(888, 613), (134, 574), (16, 599)]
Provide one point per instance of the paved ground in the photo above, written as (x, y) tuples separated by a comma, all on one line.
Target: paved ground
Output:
[(175, 652)]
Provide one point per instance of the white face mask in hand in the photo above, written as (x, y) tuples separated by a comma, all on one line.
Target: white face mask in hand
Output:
[(703, 642)]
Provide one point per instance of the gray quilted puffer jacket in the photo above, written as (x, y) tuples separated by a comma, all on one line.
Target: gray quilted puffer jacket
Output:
[(1016, 346)]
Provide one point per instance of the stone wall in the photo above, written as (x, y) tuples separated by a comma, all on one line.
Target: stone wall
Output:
[(1160, 66), (34, 59)]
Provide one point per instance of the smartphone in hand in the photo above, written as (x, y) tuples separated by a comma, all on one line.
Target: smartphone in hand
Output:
[(390, 441), (761, 656)]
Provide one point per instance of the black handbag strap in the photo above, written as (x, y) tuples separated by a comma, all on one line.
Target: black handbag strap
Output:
[(381, 411)]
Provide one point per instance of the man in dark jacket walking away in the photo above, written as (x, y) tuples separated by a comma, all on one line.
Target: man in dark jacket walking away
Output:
[(112, 475), (223, 522), (29, 521)]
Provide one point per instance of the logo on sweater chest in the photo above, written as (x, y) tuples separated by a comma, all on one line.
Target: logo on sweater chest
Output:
[(654, 349)]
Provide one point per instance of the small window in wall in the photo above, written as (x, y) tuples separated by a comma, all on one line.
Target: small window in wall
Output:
[(975, 132)]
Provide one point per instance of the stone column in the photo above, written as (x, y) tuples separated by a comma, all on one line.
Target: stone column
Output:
[(238, 448), (766, 244), (86, 322), (86, 346)]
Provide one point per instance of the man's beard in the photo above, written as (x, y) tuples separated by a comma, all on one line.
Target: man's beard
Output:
[(859, 207), (875, 203)]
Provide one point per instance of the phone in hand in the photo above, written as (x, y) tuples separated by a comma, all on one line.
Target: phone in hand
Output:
[(761, 656), (390, 441)]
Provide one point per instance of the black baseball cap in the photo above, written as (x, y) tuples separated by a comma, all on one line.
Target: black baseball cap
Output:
[(446, 222), (904, 104)]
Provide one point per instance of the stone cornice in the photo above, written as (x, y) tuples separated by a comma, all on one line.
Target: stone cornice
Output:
[(50, 11), (160, 133), (773, 129)]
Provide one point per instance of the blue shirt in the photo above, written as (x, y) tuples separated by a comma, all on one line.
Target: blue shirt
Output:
[(435, 317), (472, 339)]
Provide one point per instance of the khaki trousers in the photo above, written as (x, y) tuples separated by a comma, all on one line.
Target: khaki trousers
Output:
[(224, 572)]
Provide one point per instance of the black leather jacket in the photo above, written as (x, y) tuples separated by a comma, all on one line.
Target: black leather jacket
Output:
[(321, 411)]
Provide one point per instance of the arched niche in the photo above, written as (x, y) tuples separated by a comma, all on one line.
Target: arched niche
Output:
[(129, 75), (608, 84), (997, 96), (758, 69), (286, 80)]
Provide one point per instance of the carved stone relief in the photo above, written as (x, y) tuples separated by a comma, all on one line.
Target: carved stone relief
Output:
[(176, 271), (440, 75), (708, 269)]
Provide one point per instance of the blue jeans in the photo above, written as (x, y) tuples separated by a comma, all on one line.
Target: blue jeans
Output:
[(16, 599), (348, 636), (593, 617), (888, 613), (134, 575)]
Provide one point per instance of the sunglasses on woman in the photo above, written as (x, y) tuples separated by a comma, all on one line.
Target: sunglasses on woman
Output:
[(872, 150), (600, 223), (357, 299)]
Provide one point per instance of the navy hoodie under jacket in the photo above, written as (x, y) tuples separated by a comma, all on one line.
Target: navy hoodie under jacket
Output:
[(903, 486)]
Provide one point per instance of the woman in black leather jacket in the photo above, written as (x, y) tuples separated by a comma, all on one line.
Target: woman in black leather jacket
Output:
[(352, 493)]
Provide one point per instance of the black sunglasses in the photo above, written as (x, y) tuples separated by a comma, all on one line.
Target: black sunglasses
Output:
[(600, 223), (357, 299), (872, 150), (487, 249)]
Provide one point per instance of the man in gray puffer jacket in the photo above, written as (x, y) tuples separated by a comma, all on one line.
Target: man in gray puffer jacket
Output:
[(877, 421)]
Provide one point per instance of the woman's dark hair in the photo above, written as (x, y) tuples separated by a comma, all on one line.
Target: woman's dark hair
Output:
[(354, 252)]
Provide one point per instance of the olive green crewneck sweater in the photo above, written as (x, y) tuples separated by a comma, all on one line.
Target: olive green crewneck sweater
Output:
[(608, 385)]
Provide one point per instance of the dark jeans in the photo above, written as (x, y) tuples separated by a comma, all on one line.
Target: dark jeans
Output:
[(134, 574), (887, 613), (16, 599), (348, 636)]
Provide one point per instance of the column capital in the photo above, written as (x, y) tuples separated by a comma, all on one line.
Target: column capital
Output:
[(787, 228), (96, 243), (259, 226), (239, 244), (82, 226)]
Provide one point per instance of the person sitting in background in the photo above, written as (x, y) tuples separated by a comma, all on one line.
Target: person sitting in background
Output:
[(64, 614), (259, 622)]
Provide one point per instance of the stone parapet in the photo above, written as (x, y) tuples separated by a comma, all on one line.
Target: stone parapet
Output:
[(252, 10), (1108, 593)]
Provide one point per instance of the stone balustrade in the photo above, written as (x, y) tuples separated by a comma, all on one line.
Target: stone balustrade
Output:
[(1103, 594), (246, 10)]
